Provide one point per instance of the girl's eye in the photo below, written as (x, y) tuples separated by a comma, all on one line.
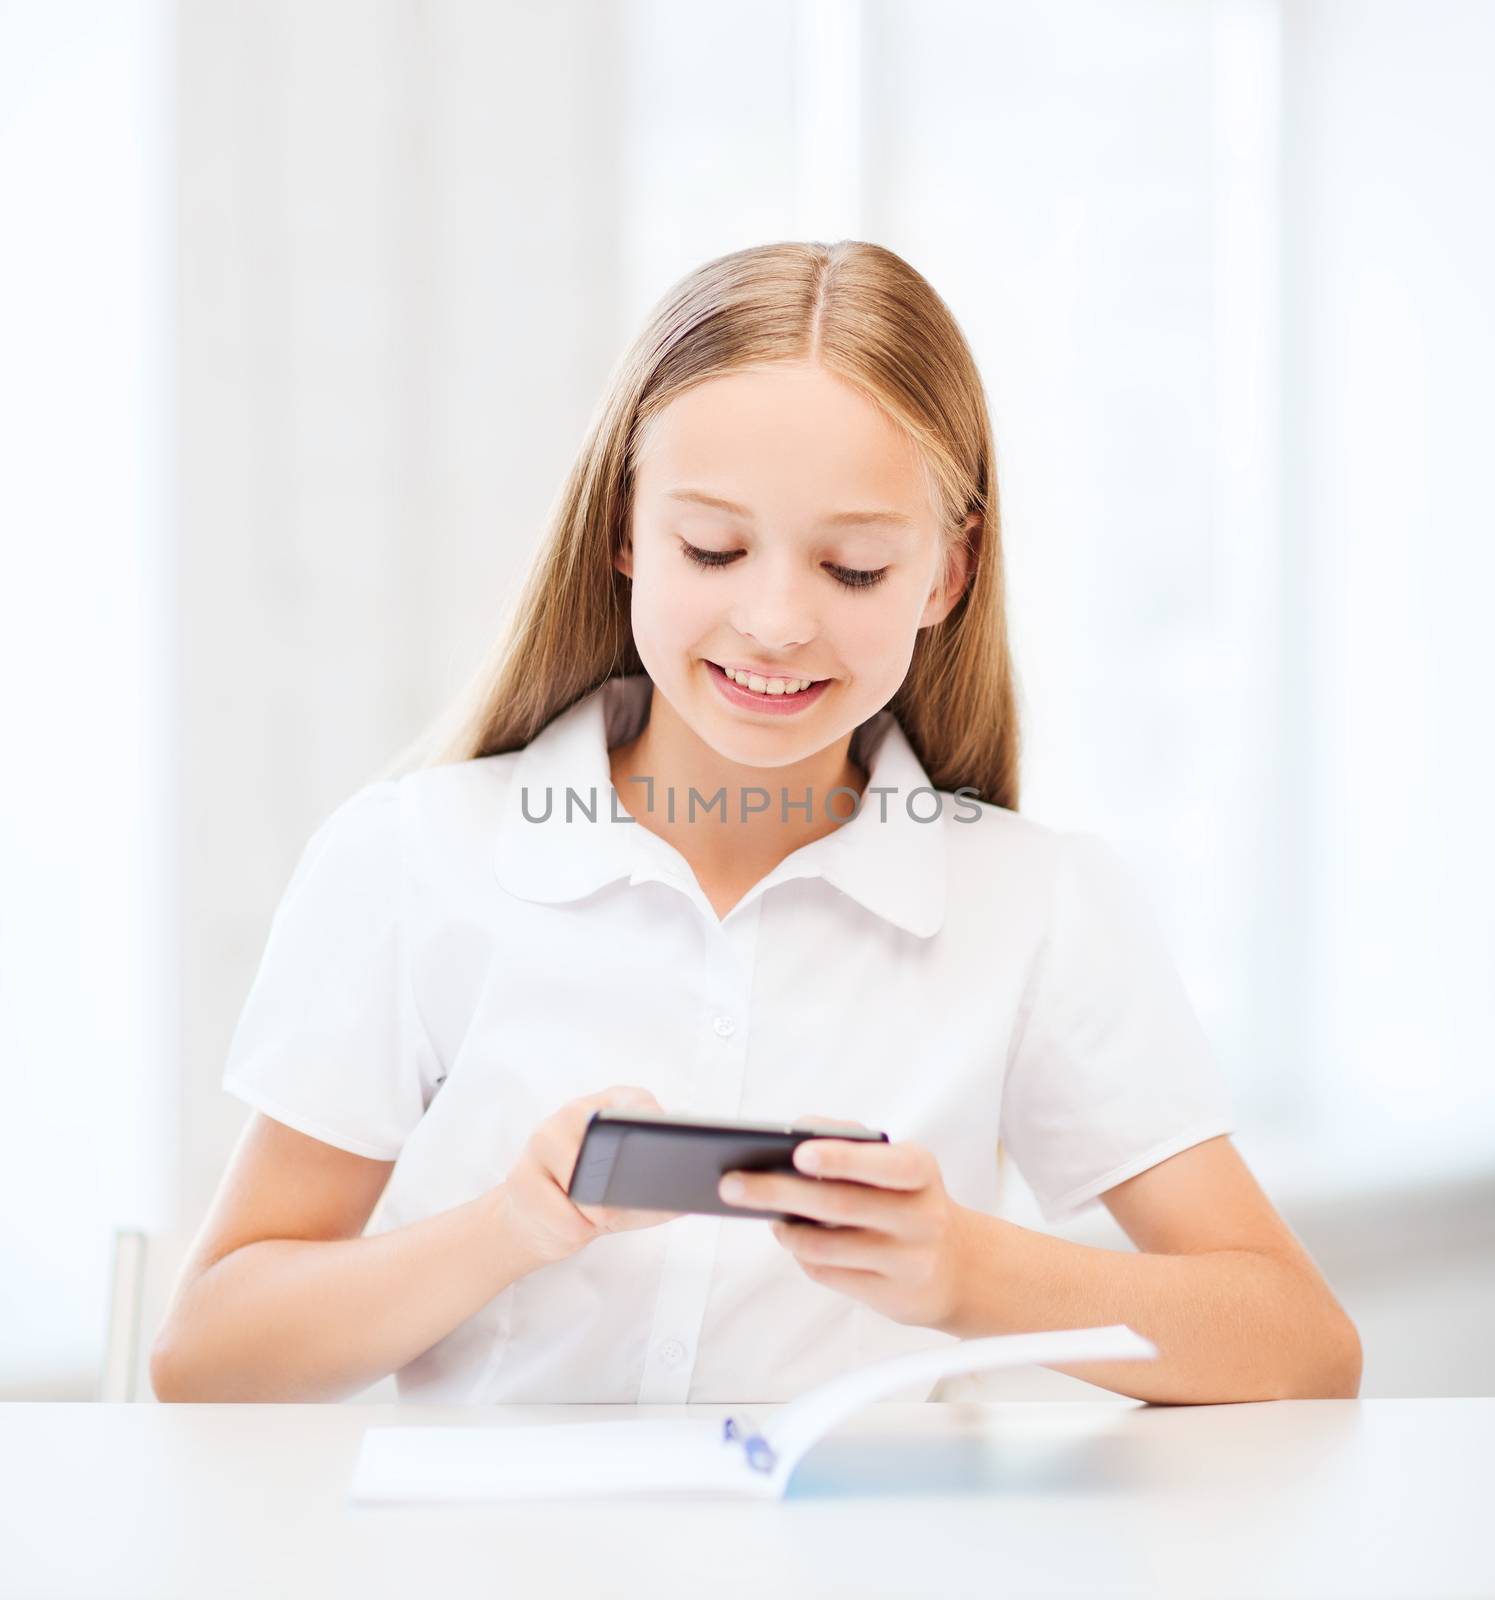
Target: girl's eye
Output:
[(847, 577)]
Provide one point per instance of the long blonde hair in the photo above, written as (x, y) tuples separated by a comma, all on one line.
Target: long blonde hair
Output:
[(864, 314)]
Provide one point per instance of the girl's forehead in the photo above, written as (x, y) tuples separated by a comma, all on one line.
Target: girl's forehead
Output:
[(770, 435)]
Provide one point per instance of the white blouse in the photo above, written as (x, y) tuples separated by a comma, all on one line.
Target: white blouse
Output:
[(442, 973)]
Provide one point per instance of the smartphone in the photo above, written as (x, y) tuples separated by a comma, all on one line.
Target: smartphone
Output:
[(670, 1161)]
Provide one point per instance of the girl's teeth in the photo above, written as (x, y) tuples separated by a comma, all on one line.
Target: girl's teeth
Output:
[(768, 685)]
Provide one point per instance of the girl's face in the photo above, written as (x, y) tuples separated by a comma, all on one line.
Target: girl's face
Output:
[(782, 524)]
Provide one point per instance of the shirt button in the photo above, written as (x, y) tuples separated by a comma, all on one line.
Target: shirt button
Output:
[(724, 1026), (671, 1352)]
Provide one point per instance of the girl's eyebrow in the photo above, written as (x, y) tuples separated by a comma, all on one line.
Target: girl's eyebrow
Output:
[(840, 519)]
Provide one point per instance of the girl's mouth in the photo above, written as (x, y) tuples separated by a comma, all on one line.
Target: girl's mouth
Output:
[(782, 705)]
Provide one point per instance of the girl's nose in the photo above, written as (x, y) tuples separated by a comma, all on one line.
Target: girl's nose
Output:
[(772, 637), (776, 615)]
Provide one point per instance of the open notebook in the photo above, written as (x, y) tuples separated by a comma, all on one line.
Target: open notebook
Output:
[(694, 1457)]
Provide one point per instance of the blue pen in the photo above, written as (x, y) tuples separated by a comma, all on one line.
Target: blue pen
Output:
[(759, 1453)]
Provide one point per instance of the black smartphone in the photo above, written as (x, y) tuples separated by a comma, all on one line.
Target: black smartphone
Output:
[(671, 1161)]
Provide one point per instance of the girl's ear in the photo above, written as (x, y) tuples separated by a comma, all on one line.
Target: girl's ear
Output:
[(623, 561), (959, 566)]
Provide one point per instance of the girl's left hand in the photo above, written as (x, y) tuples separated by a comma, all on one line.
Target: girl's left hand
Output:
[(897, 1240)]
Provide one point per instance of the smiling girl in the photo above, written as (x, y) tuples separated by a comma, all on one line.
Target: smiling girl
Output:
[(767, 631)]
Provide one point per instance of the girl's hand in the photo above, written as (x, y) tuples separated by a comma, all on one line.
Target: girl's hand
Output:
[(897, 1240), (536, 1210)]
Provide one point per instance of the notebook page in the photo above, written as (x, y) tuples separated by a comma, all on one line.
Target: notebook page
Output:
[(563, 1460), (798, 1425)]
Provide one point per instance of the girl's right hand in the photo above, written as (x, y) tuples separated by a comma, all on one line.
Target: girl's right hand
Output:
[(537, 1212)]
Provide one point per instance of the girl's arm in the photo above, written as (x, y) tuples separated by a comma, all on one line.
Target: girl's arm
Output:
[(280, 1299), (1219, 1283)]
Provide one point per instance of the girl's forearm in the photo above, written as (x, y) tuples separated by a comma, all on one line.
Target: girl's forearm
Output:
[(1229, 1325), (318, 1319)]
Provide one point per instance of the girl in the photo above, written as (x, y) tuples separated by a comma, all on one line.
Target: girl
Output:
[(730, 827)]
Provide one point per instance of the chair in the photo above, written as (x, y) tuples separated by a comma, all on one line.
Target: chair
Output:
[(142, 1276), (119, 1379)]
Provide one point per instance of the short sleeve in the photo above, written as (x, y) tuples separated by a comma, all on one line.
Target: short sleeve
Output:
[(327, 1041), (1110, 1071)]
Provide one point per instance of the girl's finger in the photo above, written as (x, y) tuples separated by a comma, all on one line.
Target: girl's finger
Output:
[(857, 1248), (888, 1166), (849, 1204)]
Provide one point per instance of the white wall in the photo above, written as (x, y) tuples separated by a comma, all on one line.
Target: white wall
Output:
[(86, 803), (1389, 266)]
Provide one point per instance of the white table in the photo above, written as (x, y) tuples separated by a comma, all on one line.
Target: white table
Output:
[(1309, 1497)]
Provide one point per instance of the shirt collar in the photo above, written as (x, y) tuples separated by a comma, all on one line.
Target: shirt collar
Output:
[(884, 858)]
